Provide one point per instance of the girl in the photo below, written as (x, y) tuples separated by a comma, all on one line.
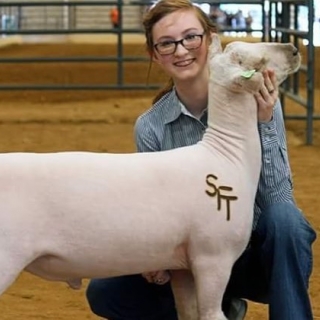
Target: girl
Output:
[(276, 266)]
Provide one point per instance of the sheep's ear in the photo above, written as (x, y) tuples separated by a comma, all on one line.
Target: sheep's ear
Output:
[(215, 46), (250, 84)]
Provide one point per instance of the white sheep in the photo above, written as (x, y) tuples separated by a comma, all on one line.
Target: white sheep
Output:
[(72, 215)]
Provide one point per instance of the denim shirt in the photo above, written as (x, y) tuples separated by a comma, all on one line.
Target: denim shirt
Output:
[(168, 125)]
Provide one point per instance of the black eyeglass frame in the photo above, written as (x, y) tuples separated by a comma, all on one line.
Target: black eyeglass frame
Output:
[(177, 42)]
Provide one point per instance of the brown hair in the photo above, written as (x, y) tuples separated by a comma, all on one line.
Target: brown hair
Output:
[(160, 10)]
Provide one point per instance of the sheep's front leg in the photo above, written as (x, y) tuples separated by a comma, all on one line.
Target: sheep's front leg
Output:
[(211, 276), (183, 288)]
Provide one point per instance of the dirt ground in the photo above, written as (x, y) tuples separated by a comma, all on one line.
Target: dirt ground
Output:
[(102, 121)]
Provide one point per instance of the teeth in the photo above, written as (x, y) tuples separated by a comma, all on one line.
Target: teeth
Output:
[(183, 63)]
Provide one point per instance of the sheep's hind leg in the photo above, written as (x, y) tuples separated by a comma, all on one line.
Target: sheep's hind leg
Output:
[(10, 268)]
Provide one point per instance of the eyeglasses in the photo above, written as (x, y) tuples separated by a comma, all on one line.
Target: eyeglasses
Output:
[(189, 42)]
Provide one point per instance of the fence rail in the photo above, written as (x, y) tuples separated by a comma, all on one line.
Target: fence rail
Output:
[(283, 27), (57, 18)]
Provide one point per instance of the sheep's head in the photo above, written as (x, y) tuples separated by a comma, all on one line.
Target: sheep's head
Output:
[(238, 67)]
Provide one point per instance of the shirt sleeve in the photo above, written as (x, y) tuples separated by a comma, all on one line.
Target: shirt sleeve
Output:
[(275, 184), (145, 138)]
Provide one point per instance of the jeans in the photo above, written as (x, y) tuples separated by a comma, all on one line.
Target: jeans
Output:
[(274, 269)]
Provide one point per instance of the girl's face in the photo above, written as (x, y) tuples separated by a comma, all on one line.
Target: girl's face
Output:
[(183, 64)]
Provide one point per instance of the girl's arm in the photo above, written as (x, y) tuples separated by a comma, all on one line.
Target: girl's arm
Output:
[(275, 183)]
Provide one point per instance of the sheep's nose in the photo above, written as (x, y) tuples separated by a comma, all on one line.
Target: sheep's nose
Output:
[(295, 51)]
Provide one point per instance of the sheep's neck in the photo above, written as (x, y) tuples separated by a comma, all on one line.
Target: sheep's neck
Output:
[(232, 121)]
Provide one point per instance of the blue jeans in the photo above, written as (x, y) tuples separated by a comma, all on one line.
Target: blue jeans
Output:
[(275, 269)]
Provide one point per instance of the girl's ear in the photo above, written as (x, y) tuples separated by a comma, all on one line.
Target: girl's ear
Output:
[(153, 57)]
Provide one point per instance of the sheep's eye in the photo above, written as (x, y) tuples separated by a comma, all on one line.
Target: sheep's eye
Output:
[(258, 66), (240, 62)]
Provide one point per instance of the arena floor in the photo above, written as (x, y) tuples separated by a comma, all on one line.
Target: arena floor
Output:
[(102, 121)]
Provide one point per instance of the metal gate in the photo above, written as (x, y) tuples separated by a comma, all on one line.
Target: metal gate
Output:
[(284, 27), (63, 17)]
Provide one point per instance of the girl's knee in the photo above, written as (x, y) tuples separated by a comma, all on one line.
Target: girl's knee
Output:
[(97, 297), (92, 290), (285, 222), (129, 297)]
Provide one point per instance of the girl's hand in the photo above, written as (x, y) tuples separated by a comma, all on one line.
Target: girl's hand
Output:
[(157, 277), (267, 96)]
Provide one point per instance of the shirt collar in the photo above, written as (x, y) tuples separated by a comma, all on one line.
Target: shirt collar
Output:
[(174, 108)]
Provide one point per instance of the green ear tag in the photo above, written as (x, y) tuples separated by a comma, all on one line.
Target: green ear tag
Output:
[(248, 74)]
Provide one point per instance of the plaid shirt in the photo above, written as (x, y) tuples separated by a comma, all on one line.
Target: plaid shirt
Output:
[(168, 125)]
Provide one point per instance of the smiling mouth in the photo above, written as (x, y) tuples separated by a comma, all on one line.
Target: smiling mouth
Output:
[(184, 63)]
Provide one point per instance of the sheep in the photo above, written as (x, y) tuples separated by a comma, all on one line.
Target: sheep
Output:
[(66, 216)]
